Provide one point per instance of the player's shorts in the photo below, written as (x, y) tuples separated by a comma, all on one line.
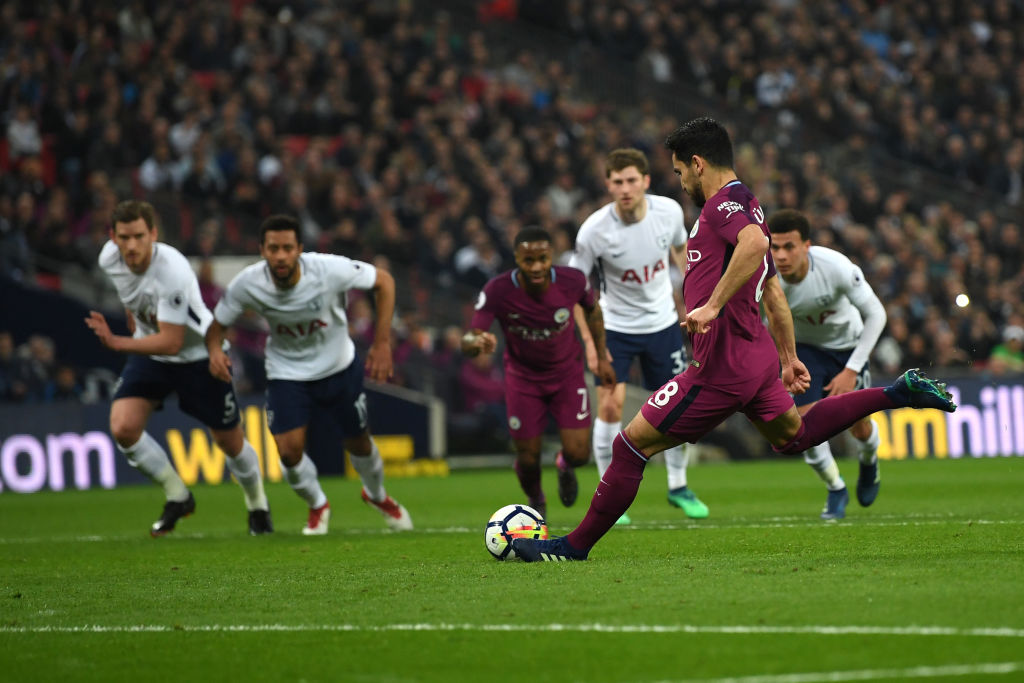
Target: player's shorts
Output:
[(210, 400), (528, 402), (824, 364), (687, 409), (662, 354), (291, 402)]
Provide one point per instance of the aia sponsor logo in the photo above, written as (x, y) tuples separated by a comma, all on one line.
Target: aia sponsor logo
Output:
[(643, 276)]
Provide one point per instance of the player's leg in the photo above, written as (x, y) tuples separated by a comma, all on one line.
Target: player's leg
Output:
[(608, 421), (288, 408), (569, 404), (343, 397), (834, 414), (143, 385), (527, 410), (869, 480), (662, 359), (214, 403), (680, 411)]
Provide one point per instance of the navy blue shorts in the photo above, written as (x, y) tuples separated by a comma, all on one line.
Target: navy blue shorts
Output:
[(340, 396), (662, 355), (823, 365), (200, 394)]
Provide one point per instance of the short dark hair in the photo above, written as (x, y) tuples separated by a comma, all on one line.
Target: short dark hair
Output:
[(532, 233), (703, 137), (132, 210), (788, 220), (280, 222), (619, 159)]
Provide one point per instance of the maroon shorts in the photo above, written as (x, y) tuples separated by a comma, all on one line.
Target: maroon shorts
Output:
[(686, 409), (528, 403)]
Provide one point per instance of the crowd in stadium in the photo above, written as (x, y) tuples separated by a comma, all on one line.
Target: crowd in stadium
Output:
[(417, 139)]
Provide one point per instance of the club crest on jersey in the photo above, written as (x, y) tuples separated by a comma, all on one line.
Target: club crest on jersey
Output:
[(514, 423), (561, 315), (177, 299), (316, 304), (824, 300), (730, 207), (662, 241)]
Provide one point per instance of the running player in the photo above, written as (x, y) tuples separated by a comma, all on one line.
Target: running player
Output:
[(837, 320), (543, 359), (735, 365), (168, 319), (310, 359), (629, 242)]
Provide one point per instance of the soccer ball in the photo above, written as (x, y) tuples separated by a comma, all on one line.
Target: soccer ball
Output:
[(512, 521)]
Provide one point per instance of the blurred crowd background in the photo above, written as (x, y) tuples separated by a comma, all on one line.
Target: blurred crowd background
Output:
[(421, 136)]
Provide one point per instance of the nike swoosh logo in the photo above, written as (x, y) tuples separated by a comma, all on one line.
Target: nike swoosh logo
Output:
[(580, 416), (621, 253)]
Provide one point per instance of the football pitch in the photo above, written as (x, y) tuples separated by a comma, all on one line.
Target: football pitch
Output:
[(928, 583)]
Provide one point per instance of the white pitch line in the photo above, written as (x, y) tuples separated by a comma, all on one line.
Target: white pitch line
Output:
[(995, 632), (995, 668), (664, 525)]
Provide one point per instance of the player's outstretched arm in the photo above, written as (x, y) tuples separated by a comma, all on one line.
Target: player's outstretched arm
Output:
[(747, 257), (379, 361), (220, 362), (780, 321), (595, 324), (166, 342)]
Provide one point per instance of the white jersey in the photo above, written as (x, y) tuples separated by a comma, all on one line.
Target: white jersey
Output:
[(309, 336), (167, 292), (834, 308), (632, 262)]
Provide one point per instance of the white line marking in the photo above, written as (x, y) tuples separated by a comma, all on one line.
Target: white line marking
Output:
[(871, 674), (551, 628)]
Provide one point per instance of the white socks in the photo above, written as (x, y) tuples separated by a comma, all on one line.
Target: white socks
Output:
[(821, 461), (604, 434), (246, 468), (371, 472), (148, 457), (303, 479), (867, 451), (676, 460)]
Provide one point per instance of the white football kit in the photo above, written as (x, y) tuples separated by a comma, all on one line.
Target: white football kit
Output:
[(834, 308), (309, 337), (168, 291), (633, 263)]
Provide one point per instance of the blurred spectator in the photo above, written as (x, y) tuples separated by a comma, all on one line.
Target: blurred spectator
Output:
[(13, 385), (23, 136), (64, 386), (1008, 356)]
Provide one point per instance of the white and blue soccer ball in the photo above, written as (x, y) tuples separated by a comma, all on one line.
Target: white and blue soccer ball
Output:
[(512, 521)]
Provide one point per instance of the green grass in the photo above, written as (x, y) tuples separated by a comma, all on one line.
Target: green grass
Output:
[(758, 581)]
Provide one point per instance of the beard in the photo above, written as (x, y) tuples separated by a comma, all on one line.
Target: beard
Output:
[(698, 196)]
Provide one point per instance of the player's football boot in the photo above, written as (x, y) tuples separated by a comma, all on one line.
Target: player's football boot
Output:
[(395, 515), (319, 519), (868, 483), (173, 511), (568, 487), (552, 550), (624, 520), (913, 389), (686, 500), (835, 504), (260, 523)]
